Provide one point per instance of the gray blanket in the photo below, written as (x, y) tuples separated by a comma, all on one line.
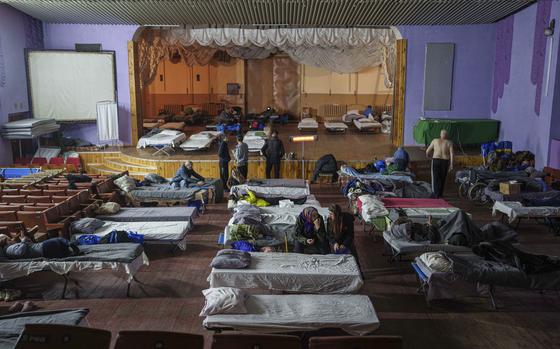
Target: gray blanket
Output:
[(152, 214), (288, 183), (12, 325), (122, 252), (163, 192), (476, 269)]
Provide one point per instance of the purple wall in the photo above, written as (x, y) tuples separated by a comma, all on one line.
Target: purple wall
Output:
[(525, 110), (17, 32), (472, 72), (111, 37)]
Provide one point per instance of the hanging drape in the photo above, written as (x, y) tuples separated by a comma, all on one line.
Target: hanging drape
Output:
[(342, 50)]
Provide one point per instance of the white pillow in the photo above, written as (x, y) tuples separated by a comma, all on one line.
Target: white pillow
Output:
[(437, 262), (355, 111), (224, 300), (170, 132), (201, 135)]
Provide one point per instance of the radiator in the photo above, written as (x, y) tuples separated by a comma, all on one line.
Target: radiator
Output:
[(173, 109), (213, 108), (331, 111)]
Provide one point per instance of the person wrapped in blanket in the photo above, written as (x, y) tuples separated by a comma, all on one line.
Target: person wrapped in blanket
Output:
[(24, 248), (186, 177), (340, 229), (311, 237)]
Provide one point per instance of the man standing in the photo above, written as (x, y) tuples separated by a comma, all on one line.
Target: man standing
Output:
[(441, 152), (186, 176), (273, 151), (224, 158), (242, 156)]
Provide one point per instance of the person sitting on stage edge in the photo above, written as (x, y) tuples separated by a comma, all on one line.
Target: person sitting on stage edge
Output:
[(441, 152), (325, 164), (273, 150), (187, 177), (311, 237), (242, 156)]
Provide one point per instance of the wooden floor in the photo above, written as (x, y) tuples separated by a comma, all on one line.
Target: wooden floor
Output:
[(171, 297), (351, 145)]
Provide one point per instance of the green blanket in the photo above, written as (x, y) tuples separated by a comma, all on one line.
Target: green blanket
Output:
[(460, 131)]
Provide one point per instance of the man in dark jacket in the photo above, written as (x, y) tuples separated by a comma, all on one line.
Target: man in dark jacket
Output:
[(325, 164), (186, 176), (273, 150), (224, 158)]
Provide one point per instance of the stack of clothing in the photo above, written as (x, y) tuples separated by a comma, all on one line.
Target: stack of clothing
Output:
[(28, 128)]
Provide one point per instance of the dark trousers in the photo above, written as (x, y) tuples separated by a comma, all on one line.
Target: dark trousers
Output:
[(224, 171), (243, 170), (439, 174), (276, 165)]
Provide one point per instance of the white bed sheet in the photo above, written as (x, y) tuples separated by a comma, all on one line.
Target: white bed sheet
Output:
[(367, 124), (292, 192), (287, 313), (199, 141), (308, 124), (293, 272), (161, 139), (403, 247), (515, 209), (163, 232), (10, 271)]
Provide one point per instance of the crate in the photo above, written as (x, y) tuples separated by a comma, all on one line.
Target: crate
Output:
[(508, 188)]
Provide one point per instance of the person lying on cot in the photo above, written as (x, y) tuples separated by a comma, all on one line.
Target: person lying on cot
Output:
[(311, 237), (51, 248), (341, 231), (186, 177)]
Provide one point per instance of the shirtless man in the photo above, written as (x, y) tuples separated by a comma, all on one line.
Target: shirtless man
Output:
[(441, 152)]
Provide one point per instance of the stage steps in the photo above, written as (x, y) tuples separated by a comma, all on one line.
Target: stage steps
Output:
[(105, 170)]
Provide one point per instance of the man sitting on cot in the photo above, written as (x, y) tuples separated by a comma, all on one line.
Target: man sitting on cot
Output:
[(186, 177)]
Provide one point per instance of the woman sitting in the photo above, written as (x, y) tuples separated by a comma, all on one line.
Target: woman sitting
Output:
[(341, 231), (311, 237)]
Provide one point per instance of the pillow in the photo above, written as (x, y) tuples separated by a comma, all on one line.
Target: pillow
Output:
[(108, 208), (170, 132), (125, 183), (224, 300), (232, 252), (86, 226), (437, 261), (230, 262)]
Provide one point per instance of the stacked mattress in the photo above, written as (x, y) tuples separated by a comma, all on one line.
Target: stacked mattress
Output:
[(28, 128)]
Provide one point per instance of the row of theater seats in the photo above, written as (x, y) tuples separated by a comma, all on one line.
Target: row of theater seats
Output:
[(72, 164), (43, 336), (48, 208)]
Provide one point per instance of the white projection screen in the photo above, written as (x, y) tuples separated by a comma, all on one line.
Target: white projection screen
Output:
[(66, 85)]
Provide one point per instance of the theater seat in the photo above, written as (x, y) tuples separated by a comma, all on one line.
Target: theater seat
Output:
[(248, 341), (48, 336), (352, 342), (158, 339)]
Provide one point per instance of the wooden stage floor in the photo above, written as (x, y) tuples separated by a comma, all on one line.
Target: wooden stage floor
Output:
[(171, 298), (352, 145)]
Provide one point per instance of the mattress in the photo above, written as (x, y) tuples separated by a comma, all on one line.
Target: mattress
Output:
[(351, 116), (415, 203), (515, 210), (495, 195), (280, 220), (275, 188), (11, 326), (170, 231), (308, 124), (27, 123), (293, 313), (161, 139), (163, 192), (173, 126), (255, 140), (152, 214), (403, 247), (47, 153), (336, 126), (293, 272), (199, 141), (127, 257), (367, 124)]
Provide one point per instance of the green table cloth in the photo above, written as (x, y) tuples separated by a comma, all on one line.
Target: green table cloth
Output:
[(460, 131)]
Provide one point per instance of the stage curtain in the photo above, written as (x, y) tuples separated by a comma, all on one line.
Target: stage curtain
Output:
[(342, 50)]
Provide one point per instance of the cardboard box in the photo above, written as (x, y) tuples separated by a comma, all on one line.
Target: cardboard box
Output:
[(509, 188)]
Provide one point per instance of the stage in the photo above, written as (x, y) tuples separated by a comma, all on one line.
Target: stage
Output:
[(354, 148)]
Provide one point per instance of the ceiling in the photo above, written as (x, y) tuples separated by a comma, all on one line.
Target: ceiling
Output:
[(307, 13)]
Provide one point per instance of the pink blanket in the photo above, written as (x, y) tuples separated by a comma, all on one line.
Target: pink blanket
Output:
[(414, 203)]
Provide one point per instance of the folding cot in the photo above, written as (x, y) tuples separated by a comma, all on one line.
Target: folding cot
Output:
[(152, 214), (367, 125), (515, 210), (255, 140), (158, 232), (286, 188), (308, 125), (336, 127), (164, 142), (126, 258), (200, 141), (300, 313), (293, 272)]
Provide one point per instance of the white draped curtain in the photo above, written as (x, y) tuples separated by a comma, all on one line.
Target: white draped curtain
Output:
[(342, 50)]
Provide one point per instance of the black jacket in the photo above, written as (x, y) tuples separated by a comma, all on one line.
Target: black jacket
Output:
[(273, 150), (347, 236), (223, 151)]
